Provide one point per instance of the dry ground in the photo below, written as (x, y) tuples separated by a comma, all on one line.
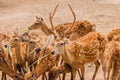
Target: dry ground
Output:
[(19, 14)]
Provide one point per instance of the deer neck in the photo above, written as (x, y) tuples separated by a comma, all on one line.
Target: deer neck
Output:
[(18, 53), (17, 49), (46, 30), (67, 56)]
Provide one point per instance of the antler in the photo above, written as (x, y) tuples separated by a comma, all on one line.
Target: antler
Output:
[(73, 21), (51, 16)]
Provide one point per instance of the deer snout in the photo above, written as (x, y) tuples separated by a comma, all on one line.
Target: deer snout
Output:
[(38, 50), (53, 52), (30, 28), (6, 46)]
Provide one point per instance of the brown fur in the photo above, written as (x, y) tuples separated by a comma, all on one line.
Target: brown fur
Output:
[(5, 66), (80, 28), (39, 24), (83, 51), (111, 64), (113, 33), (55, 72), (44, 64)]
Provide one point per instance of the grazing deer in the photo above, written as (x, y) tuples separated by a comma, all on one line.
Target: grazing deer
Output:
[(85, 50), (111, 65)]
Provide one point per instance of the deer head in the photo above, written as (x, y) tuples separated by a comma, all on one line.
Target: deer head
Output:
[(44, 63), (40, 24)]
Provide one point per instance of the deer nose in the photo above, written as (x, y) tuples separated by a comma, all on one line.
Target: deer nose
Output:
[(38, 50), (29, 28), (53, 52), (5, 46)]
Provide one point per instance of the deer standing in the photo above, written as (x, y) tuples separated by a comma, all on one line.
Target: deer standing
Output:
[(81, 52)]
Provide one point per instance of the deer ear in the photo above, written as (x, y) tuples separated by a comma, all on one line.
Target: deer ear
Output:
[(94, 27), (37, 18), (41, 19)]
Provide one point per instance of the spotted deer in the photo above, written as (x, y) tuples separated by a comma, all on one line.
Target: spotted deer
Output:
[(44, 63), (78, 53), (4, 38), (111, 64), (78, 28), (5, 65)]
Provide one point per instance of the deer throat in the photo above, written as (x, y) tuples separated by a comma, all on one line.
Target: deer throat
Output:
[(67, 56), (46, 30), (18, 54)]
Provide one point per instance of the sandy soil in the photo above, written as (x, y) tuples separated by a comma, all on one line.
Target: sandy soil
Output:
[(19, 14)]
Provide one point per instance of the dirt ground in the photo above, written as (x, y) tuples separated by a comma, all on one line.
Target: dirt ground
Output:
[(19, 14)]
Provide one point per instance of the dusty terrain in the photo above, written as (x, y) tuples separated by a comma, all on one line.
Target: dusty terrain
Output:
[(19, 14)]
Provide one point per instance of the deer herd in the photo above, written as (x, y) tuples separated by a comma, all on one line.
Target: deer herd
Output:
[(65, 48)]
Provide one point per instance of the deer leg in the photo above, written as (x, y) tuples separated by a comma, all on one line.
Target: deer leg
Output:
[(107, 74), (116, 70), (3, 76), (108, 71), (73, 74), (18, 68), (23, 69), (44, 76), (104, 70), (79, 74), (53, 75), (119, 77), (64, 74), (82, 67), (59, 77), (97, 64)]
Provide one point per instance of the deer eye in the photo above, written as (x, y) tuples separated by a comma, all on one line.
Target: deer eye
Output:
[(37, 50), (68, 37), (16, 39), (55, 36), (36, 23), (62, 44), (5, 46)]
